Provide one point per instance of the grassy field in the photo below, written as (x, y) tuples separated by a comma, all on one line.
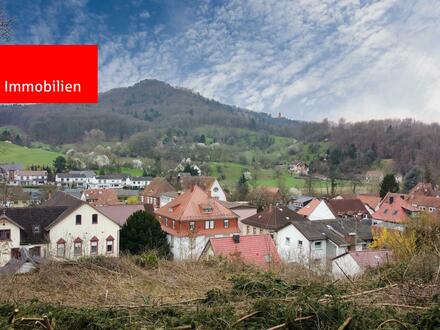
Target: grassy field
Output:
[(229, 173), (11, 153), (132, 171)]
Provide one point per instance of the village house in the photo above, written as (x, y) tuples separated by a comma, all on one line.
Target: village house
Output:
[(422, 203), (299, 202), (370, 201), (14, 196), (394, 211), (269, 221), (243, 210), (112, 180), (138, 182), (374, 176), (156, 192), (314, 243), (425, 189), (79, 179), (298, 167), (191, 219), (354, 263), (258, 250), (61, 231), (8, 171), (317, 210), (99, 196), (207, 183), (30, 178), (348, 208)]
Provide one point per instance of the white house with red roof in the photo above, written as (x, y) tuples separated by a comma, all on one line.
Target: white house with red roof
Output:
[(317, 210), (191, 219), (258, 250)]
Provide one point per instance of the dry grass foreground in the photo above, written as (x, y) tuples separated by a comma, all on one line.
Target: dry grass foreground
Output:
[(116, 281), (116, 293)]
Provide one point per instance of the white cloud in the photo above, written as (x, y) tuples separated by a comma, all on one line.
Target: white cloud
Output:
[(309, 59)]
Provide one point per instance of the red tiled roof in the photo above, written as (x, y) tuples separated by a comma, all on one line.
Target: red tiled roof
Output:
[(204, 182), (427, 201), (394, 208), (101, 196), (342, 207), (371, 258), (258, 250), (370, 200), (195, 204), (425, 189), (309, 208), (157, 187)]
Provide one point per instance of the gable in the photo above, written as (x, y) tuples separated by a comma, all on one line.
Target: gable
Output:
[(321, 212), (86, 211)]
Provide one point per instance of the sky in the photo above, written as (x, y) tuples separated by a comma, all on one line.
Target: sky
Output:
[(305, 59)]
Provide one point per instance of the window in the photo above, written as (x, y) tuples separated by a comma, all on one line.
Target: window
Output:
[(61, 248), (109, 244), (78, 219), (318, 246), (5, 235), (300, 244), (215, 189), (287, 240), (166, 221), (209, 224), (94, 219), (226, 223), (254, 230), (248, 230), (261, 231), (94, 246), (77, 247), (36, 229), (174, 224), (192, 225)]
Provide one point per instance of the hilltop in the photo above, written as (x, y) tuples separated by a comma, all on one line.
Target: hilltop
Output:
[(154, 120)]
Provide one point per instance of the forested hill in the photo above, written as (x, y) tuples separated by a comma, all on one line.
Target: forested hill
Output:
[(148, 104), (173, 114)]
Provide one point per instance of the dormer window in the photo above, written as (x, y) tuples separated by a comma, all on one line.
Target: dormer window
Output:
[(36, 229)]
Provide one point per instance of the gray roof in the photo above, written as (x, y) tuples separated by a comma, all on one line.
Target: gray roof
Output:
[(334, 230), (273, 218), (11, 167), (126, 192), (113, 176), (302, 199), (62, 199)]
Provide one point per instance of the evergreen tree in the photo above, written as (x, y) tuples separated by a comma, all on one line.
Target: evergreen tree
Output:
[(389, 184), (60, 164), (411, 178), (142, 232), (242, 188)]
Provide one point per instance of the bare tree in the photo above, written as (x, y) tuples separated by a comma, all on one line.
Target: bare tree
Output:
[(5, 26)]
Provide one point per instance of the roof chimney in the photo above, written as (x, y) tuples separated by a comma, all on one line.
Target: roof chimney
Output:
[(391, 199), (236, 238)]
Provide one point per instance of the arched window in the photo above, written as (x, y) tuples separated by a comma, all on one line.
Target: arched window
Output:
[(109, 247), (77, 247), (94, 245), (61, 248)]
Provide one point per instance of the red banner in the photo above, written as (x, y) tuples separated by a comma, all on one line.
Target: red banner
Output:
[(48, 73)]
